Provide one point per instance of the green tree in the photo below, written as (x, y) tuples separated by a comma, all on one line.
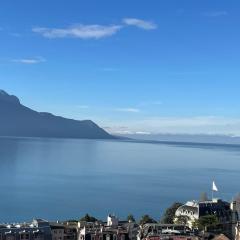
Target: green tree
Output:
[(182, 220), (130, 218), (88, 218), (207, 221), (195, 224), (169, 215), (147, 219)]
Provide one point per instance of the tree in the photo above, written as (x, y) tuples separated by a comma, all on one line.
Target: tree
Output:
[(207, 221), (72, 220), (147, 219), (88, 218), (195, 224), (182, 220), (169, 215), (130, 218)]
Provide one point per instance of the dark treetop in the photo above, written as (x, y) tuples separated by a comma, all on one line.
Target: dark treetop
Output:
[(20, 121)]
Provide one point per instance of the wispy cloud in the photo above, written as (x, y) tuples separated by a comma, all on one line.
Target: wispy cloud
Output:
[(130, 110), (143, 133), (94, 31), (79, 31), (216, 13), (179, 125), (146, 25), (34, 60)]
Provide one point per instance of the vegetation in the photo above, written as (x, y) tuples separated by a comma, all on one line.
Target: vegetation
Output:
[(207, 221), (88, 218), (72, 221), (147, 219), (182, 220), (169, 215), (130, 218)]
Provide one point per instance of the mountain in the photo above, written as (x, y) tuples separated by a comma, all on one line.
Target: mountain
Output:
[(20, 121), (187, 138)]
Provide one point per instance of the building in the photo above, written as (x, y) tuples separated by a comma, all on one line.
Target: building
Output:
[(171, 237), (37, 230), (193, 210), (226, 213), (235, 208), (237, 231), (57, 231), (102, 233), (113, 229), (112, 221), (165, 232), (221, 237), (64, 231)]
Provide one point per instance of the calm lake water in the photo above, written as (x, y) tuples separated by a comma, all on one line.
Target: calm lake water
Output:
[(64, 179)]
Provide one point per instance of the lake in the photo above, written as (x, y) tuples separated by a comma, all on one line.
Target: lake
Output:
[(66, 178)]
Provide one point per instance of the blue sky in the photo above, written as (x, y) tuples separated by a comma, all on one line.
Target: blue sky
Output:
[(131, 66)]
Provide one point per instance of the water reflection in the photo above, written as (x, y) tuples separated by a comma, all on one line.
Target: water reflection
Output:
[(64, 178)]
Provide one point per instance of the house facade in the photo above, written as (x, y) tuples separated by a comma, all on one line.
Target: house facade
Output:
[(37, 230), (193, 210)]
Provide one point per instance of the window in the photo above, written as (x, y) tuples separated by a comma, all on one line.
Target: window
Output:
[(10, 237)]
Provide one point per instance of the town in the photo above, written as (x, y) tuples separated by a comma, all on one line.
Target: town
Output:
[(202, 219)]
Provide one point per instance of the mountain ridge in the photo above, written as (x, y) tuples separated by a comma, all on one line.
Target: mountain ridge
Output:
[(20, 121)]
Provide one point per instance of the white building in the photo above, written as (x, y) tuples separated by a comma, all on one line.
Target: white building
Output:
[(112, 221), (193, 210)]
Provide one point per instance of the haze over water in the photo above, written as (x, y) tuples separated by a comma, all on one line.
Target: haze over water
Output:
[(66, 178)]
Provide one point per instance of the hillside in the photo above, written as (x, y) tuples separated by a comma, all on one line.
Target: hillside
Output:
[(20, 121)]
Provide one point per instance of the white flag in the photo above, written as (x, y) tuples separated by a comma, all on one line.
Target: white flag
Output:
[(214, 187)]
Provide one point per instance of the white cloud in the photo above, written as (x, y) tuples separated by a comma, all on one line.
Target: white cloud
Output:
[(120, 132), (147, 25), (79, 31), (130, 110), (216, 13), (35, 60), (143, 133), (180, 125), (94, 31)]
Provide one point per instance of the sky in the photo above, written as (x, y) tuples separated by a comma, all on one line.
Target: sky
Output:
[(132, 66)]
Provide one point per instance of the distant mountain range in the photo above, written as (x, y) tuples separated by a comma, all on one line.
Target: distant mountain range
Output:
[(186, 138), (20, 121)]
